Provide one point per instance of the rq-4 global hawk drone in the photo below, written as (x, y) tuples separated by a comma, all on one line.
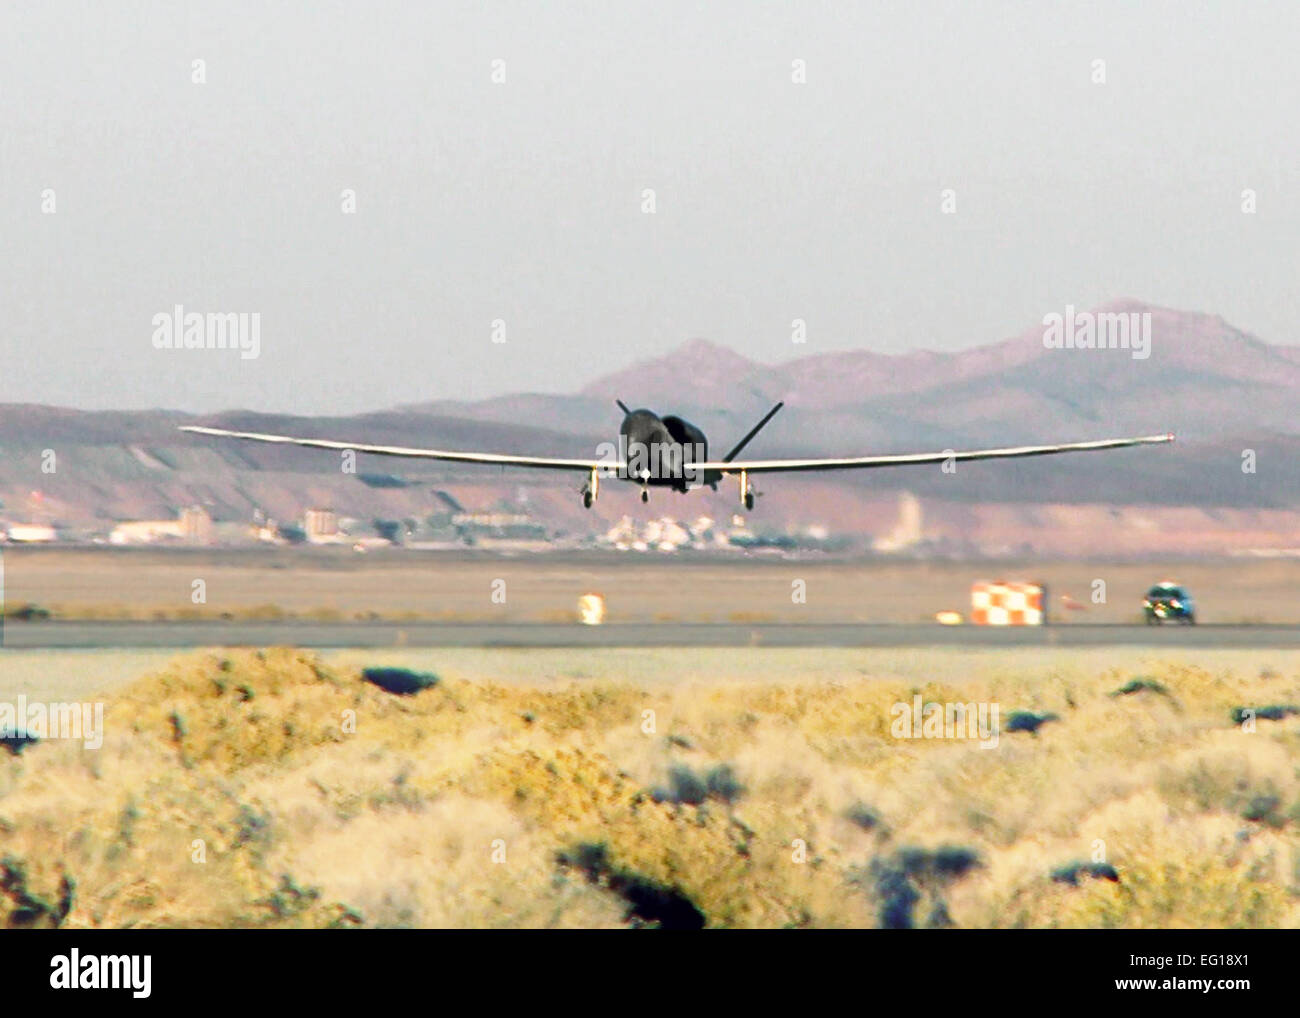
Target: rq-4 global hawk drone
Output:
[(669, 452)]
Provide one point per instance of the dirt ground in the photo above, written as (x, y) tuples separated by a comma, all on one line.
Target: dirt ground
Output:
[(339, 583)]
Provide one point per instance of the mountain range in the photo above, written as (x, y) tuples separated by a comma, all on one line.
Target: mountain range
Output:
[(1220, 389)]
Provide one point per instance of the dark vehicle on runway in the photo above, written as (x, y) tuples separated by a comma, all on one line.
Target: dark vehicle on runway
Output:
[(1169, 601)]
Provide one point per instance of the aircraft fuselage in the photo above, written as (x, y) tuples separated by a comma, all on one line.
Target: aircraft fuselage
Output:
[(662, 451)]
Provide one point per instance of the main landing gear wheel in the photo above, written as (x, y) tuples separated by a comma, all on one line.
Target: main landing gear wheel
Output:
[(645, 495), (746, 492), (586, 500)]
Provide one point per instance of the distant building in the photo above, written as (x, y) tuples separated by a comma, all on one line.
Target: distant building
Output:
[(31, 533), (664, 534), (321, 525), (266, 531), (145, 531), (196, 525), (192, 526), (621, 534)]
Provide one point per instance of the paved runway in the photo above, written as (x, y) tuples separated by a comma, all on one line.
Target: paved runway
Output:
[(90, 635)]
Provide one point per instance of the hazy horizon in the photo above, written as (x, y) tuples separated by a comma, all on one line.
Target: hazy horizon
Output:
[(797, 353), (522, 199)]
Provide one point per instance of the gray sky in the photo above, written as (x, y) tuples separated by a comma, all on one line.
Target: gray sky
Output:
[(522, 201)]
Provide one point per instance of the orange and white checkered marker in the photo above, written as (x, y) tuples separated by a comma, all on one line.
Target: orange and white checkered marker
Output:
[(1006, 604)]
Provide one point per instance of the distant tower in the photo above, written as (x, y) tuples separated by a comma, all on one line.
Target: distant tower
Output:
[(910, 525), (196, 525), (910, 528)]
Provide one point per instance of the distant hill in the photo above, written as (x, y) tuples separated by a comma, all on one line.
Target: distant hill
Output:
[(1203, 379), (1220, 389)]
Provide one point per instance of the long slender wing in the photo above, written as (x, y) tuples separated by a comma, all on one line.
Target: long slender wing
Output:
[(859, 462), (499, 459)]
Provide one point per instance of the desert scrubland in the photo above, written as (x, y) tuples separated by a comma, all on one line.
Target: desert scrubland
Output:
[(736, 788)]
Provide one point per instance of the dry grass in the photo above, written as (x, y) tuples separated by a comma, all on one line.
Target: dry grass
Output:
[(770, 792)]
